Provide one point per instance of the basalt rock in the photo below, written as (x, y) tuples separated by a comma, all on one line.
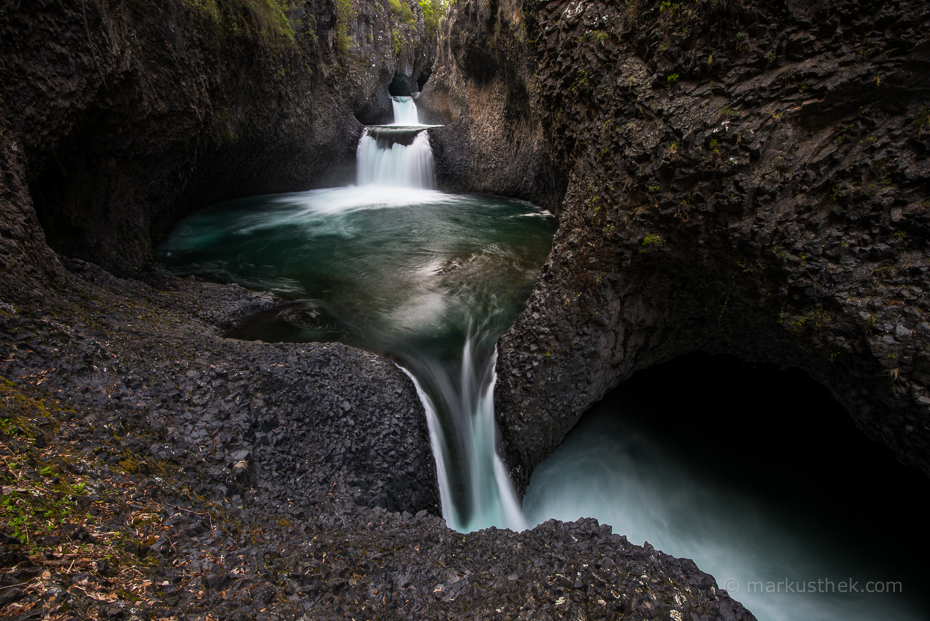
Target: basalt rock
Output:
[(743, 179), (483, 87)]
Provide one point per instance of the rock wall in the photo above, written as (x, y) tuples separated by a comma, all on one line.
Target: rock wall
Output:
[(483, 88), (743, 179)]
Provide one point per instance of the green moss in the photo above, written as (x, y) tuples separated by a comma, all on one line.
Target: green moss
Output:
[(401, 9), (265, 19), (343, 16), (652, 240)]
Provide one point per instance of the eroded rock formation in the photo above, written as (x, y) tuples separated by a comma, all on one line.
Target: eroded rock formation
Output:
[(744, 179)]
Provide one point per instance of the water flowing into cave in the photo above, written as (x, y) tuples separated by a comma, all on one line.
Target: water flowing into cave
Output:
[(760, 477), (390, 265)]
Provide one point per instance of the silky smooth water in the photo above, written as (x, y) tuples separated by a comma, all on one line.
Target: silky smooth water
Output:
[(760, 478), (427, 278), (405, 111)]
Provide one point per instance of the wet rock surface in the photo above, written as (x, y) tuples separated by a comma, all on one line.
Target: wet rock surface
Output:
[(750, 180)]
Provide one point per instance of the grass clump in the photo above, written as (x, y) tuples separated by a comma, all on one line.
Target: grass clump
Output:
[(402, 10), (265, 19), (343, 16)]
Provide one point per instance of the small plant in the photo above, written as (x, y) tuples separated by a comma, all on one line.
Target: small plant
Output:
[(673, 147), (923, 121), (652, 240), (672, 79), (774, 114), (653, 188), (836, 194), (581, 81)]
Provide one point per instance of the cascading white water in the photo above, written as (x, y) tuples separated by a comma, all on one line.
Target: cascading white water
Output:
[(405, 111), (464, 440), (399, 165), (475, 487)]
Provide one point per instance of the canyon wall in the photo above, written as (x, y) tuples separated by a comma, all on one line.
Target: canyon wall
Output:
[(481, 89), (742, 179)]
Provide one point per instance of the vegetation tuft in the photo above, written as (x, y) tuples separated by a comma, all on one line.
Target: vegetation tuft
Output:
[(432, 14), (264, 19), (343, 17), (402, 10)]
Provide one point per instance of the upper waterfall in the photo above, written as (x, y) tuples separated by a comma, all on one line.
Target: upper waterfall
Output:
[(405, 111)]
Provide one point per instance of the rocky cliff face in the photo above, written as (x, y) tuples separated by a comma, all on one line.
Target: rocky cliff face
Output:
[(744, 179), (482, 88)]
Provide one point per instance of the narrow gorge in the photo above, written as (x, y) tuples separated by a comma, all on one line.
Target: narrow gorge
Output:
[(294, 291)]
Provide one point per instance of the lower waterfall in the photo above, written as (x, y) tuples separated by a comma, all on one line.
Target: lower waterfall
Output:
[(383, 158)]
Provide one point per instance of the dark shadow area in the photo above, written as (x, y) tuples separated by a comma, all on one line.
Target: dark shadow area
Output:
[(782, 438), (400, 86)]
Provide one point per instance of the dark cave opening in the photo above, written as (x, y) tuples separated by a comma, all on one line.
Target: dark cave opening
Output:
[(770, 428), (400, 86), (751, 471)]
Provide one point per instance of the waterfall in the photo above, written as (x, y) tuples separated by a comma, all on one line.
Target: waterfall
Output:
[(398, 154), (405, 111), (475, 487), (474, 484), (384, 159)]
